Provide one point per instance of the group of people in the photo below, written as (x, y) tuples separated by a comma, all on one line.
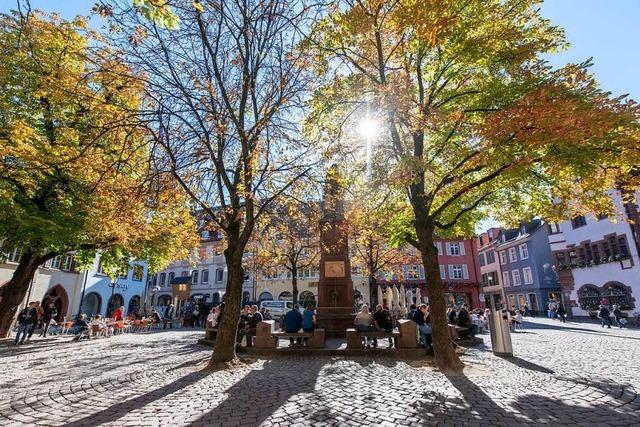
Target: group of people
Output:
[(605, 316), (475, 320), (556, 310), (36, 315), (379, 321)]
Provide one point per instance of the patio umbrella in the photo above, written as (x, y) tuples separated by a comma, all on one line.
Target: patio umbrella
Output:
[(403, 296), (380, 296), (389, 297), (396, 297)]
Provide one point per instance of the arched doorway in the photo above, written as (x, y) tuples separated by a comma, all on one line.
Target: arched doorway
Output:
[(305, 298), (358, 300), (164, 300), (91, 304), (58, 295), (265, 296), (116, 301), (134, 305), (285, 296), (246, 296), (215, 299)]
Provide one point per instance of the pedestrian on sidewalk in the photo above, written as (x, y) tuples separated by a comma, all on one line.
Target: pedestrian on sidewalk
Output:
[(617, 314), (26, 319), (168, 317), (604, 317), (50, 312), (562, 313)]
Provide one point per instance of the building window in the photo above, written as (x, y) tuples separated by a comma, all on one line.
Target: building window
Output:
[(163, 278), (138, 272), (219, 275), (455, 248), (443, 274), (413, 272), (527, 276), (205, 276), (55, 262), (524, 251), (505, 279), (619, 295), (194, 277), (184, 273), (515, 274), (579, 221), (513, 255), (456, 272), (491, 257), (172, 275), (503, 257), (554, 228), (482, 260), (589, 298)]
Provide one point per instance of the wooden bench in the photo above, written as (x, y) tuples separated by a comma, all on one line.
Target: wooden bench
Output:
[(210, 332), (267, 336), (354, 339), (458, 332)]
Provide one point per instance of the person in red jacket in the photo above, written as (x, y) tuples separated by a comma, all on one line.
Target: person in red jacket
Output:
[(118, 314)]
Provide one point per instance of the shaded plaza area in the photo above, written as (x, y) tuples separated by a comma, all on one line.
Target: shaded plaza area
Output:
[(572, 374)]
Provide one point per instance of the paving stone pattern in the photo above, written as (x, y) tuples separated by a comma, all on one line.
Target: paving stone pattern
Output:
[(572, 374)]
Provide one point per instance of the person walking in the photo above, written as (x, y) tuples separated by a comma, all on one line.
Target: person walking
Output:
[(562, 313), (26, 318), (50, 312), (34, 325), (617, 314), (168, 317), (604, 317)]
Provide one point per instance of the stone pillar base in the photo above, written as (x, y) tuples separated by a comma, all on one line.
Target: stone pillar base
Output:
[(263, 337)]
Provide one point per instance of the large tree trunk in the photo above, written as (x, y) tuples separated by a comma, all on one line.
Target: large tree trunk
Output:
[(13, 292), (373, 292), (224, 350), (294, 285), (446, 357)]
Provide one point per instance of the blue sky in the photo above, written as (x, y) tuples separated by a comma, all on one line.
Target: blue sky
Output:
[(607, 30)]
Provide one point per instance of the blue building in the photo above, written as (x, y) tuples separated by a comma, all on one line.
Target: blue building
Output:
[(526, 263)]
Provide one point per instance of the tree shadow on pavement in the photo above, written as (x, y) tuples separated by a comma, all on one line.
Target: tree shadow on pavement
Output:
[(553, 411), (260, 393), (120, 409), (527, 365)]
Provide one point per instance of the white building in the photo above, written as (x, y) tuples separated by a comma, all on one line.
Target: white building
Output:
[(59, 279), (204, 277), (597, 261)]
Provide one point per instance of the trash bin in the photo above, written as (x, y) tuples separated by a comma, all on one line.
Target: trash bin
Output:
[(500, 334)]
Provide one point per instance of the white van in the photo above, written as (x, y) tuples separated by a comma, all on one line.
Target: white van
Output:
[(278, 308)]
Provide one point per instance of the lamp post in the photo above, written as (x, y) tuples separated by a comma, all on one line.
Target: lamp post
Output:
[(84, 287)]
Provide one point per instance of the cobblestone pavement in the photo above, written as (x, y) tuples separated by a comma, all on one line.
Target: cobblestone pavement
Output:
[(571, 374)]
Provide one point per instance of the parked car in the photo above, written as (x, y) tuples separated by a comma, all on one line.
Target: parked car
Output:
[(278, 308)]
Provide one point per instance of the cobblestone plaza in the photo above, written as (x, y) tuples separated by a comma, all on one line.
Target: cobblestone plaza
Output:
[(563, 374)]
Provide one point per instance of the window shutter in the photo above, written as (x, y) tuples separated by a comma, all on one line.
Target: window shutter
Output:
[(439, 246), (461, 248), (448, 246), (443, 274), (465, 271), (421, 272), (450, 271)]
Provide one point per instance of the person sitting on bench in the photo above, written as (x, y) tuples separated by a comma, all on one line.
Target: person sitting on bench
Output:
[(363, 323), (293, 323), (308, 321), (82, 327), (422, 319), (382, 323), (464, 320)]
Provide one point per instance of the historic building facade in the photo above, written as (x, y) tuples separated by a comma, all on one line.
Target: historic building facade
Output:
[(597, 262), (459, 270), (490, 273), (526, 267), (59, 279), (202, 278)]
